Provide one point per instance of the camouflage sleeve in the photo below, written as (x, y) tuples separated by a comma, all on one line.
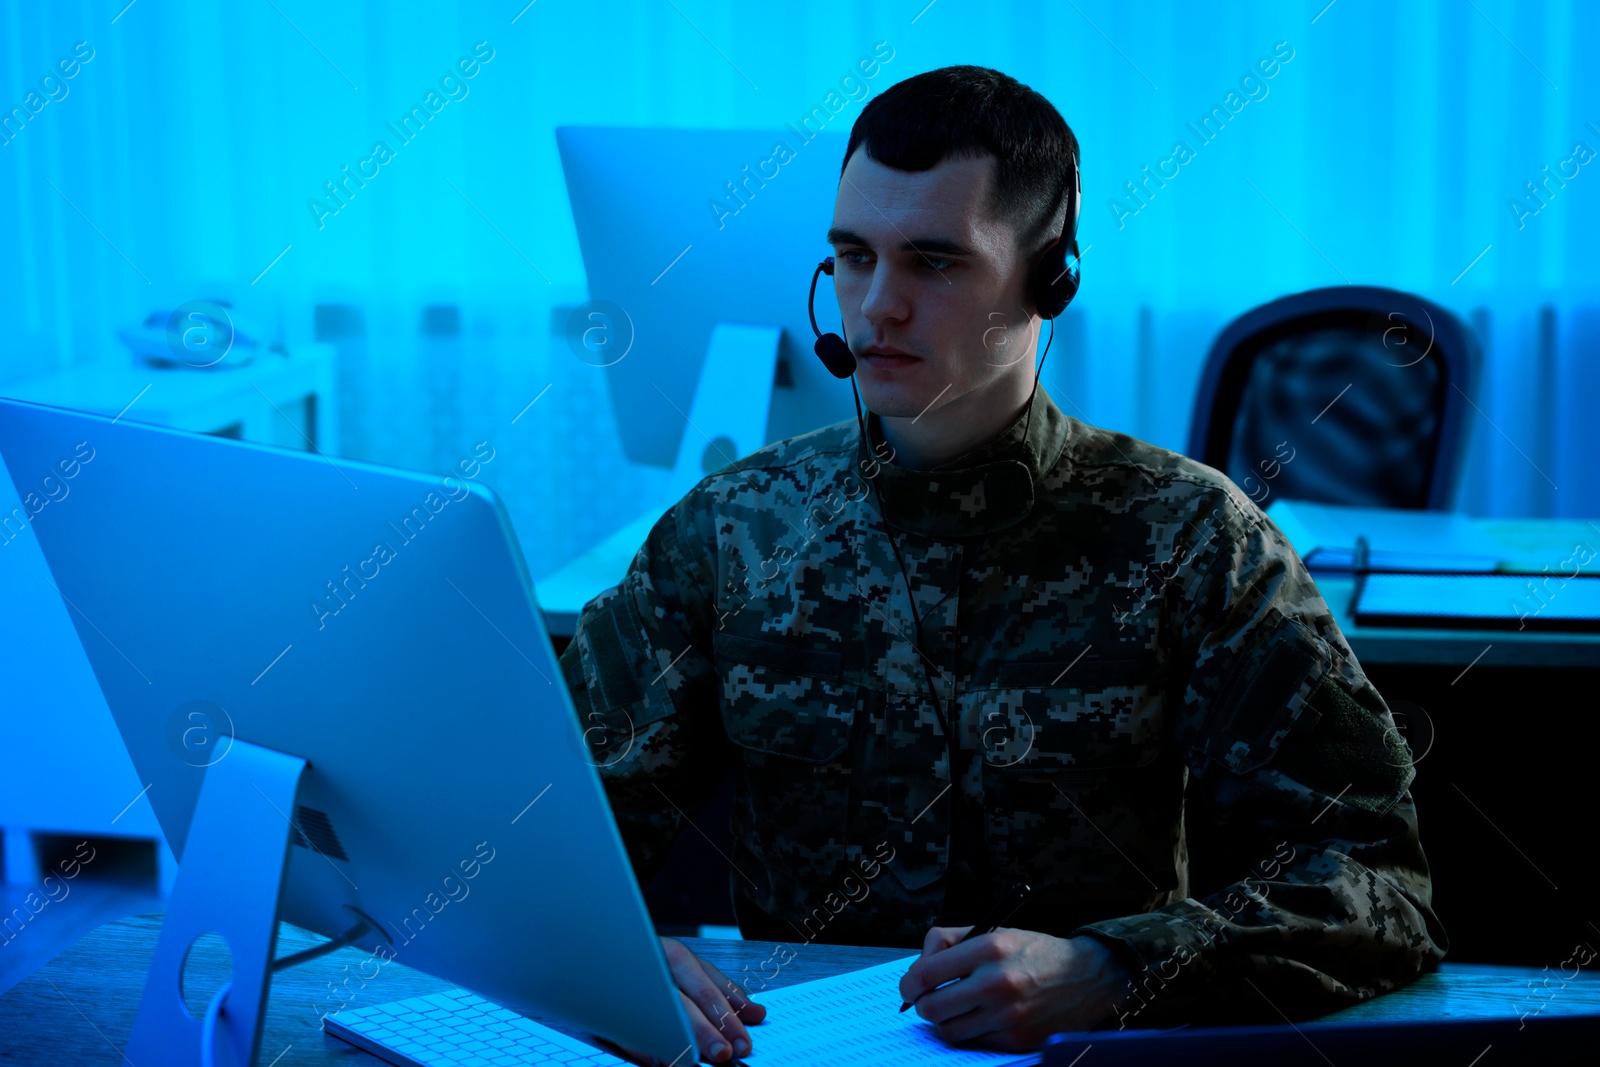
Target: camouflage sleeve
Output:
[(640, 673), (1309, 888)]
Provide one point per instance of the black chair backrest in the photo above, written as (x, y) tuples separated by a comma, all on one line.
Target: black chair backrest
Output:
[(1346, 395)]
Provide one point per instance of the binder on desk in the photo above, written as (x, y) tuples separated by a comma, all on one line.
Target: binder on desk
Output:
[(1479, 602), (1440, 570)]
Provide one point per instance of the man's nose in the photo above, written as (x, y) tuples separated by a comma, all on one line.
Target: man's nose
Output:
[(886, 298)]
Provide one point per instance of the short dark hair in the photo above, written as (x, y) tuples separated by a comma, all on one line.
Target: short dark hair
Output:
[(966, 111)]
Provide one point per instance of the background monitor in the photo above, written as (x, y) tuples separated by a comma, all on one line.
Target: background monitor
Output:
[(683, 229)]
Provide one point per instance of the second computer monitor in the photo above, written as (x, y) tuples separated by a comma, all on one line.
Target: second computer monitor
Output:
[(683, 229)]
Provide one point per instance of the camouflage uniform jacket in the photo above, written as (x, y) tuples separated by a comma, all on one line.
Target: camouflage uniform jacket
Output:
[(1159, 726)]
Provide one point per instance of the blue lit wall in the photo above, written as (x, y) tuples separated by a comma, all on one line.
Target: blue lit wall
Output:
[(1391, 146)]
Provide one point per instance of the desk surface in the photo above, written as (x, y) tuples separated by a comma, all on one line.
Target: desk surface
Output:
[(79, 1008)]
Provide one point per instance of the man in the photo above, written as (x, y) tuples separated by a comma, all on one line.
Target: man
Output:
[(1117, 682)]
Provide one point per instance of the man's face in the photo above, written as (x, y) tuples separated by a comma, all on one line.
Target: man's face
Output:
[(922, 269)]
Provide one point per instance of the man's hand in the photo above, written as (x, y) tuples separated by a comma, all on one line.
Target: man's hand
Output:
[(717, 1007), (1017, 987)]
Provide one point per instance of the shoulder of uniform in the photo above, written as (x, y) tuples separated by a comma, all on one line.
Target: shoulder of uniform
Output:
[(772, 480), (1113, 467)]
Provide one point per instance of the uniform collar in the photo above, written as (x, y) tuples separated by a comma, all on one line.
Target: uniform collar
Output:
[(988, 488)]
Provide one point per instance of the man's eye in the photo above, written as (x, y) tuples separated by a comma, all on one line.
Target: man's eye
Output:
[(854, 259), (934, 263)]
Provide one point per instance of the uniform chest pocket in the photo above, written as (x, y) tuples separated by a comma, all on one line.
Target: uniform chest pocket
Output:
[(1070, 720), (781, 699), (1081, 788), (789, 713)]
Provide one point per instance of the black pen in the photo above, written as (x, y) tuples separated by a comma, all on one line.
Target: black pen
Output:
[(996, 917)]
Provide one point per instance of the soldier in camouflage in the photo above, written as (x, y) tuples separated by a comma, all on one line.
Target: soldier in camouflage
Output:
[(990, 643)]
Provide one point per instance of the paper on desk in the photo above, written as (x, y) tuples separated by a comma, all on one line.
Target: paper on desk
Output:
[(855, 1018), (1399, 540)]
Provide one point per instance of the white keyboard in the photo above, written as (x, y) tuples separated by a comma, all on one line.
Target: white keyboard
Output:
[(459, 1029)]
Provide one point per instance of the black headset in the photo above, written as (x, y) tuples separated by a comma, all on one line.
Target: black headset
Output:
[(1052, 284)]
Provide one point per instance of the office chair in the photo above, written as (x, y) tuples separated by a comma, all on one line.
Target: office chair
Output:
[(1351, 394)]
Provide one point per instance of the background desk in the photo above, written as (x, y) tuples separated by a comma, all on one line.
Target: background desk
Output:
[(79, 1008), (1501, 726), (1535, 547), (287, 400)]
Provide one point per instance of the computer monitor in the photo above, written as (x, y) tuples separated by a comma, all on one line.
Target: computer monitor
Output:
[(241, 603), (684, 229)]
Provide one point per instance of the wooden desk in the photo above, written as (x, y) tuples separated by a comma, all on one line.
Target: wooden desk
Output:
[(79, 1008)]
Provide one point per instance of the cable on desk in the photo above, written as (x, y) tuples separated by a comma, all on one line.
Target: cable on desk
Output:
[(208, 1026)]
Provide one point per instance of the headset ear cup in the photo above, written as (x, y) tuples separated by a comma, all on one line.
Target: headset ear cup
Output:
[(1055, 278), (1056, 275)]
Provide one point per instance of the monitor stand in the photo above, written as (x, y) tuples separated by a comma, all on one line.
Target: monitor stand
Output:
[(229, 882)]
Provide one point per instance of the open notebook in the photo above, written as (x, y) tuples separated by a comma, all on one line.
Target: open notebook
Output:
[(855, 1018)]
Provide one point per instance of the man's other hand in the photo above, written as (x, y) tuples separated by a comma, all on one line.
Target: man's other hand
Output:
[(717, 1007), (1017, 987)]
